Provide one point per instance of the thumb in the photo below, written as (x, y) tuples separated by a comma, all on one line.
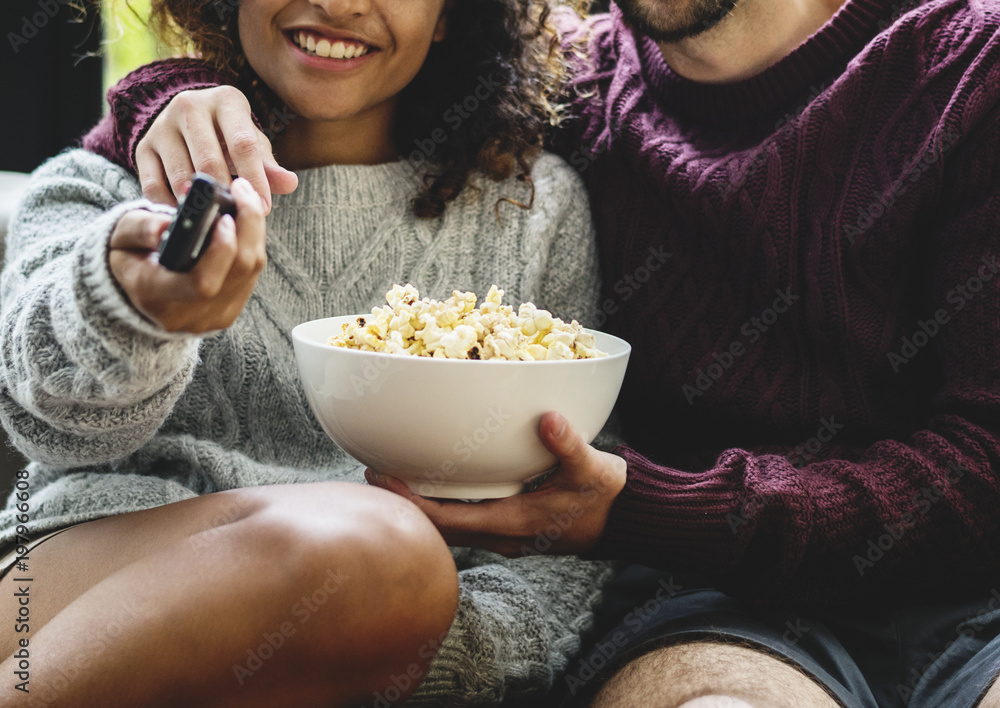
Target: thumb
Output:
[(139, 230), (563, 441), (280, 180)]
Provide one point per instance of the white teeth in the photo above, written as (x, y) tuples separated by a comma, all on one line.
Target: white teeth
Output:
[(326, 48)]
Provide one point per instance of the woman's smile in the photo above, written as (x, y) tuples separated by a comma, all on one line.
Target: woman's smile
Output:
[(331, 51), (338, 66)]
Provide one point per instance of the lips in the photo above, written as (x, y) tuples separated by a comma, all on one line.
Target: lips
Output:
[(316, 44)]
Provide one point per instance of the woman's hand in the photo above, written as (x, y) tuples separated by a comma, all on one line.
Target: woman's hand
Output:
[(212, 294), (212, 131), (566, 514)]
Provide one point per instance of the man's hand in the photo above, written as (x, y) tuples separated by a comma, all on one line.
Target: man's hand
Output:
[(212, 131), (212, 294), (567, 514)]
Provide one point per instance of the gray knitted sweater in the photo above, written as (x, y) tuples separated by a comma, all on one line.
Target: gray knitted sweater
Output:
[(118, 415)]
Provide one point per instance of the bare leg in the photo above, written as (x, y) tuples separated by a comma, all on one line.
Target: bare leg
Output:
[(992, 697), (711, 675), (299, 595)]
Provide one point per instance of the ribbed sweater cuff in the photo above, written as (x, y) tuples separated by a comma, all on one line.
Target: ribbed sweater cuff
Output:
[(99, 297), (666, 516), (138, 99)]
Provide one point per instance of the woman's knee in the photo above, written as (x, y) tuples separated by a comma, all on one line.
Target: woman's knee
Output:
[(371, 554)]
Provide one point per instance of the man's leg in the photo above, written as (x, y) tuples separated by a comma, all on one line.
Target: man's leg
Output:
[(710, 674), (992, 697)]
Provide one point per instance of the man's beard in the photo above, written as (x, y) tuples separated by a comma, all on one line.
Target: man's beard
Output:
[(668, 28)]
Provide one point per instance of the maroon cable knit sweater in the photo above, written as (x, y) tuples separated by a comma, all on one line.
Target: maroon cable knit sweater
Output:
[(806, 263)]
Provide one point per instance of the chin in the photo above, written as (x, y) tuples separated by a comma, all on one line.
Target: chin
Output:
[(318, 110)]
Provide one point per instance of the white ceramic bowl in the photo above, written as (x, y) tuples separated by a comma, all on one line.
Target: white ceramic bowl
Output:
[(451, 428)]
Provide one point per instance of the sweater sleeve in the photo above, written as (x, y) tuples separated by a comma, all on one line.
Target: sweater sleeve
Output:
[(518, 624), (137, 100), (84, 378), (571, 284), (905, 517)]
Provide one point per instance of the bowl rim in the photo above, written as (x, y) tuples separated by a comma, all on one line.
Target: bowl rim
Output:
[(298, 338)]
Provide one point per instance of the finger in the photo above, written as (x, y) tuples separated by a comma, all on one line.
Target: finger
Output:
[(243, 143), (204, 149), (206, 280), (392, 484), (491, 518), (139, 230), (250, 225), (563, 441), (282, 181), (153, 179), (175, 157)]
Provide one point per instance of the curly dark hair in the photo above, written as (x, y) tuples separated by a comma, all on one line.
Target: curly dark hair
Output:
[(511, 44)]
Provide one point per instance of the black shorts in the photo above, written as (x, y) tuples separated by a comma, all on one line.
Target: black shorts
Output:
[(931, 656)]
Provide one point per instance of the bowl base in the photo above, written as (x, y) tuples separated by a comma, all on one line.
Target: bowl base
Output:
[(464, 491)]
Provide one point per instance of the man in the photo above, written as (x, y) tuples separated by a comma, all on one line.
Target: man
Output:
[(798, 204)]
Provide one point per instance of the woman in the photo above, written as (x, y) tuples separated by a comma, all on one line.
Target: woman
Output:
[(209, 535)]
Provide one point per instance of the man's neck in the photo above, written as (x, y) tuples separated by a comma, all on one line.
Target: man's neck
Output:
[(755, 36)]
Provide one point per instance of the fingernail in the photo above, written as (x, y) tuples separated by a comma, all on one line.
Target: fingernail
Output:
[(374, 478), (560, 426)]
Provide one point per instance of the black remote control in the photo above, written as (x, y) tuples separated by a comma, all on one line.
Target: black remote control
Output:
[(197, 214)]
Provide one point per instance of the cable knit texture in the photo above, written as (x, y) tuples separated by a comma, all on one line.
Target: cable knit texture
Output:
[(805, 263), (119, 416), (815, 384)]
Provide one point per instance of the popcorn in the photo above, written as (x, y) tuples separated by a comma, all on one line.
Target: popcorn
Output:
[(456, 329)]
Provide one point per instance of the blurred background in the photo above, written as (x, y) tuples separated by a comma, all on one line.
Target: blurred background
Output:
[(56, 65)]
